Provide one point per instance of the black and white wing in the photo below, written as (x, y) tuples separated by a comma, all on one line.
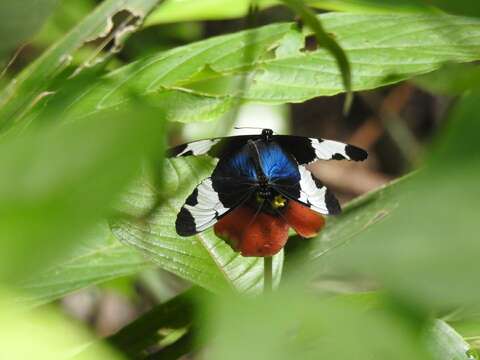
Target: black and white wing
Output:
[(310, 192), (204, 207), (307, 150), (216, 147)]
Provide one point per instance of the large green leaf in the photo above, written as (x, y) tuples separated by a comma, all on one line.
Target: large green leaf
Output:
[(424, 245), (462, 7), (291, 324), (97, 258), (20, 20), (34, 82), (50, 335), (190, 10), (375, 6), (200, 81), (59, 181), (203, 259)]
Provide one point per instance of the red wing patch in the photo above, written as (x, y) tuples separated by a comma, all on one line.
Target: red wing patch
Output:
[(253, 234), (306, 222)]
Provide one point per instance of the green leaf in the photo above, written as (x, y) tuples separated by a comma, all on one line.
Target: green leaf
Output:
[(423, 247), (34, 82), (375, 6), (158, 323), (313, 22), (50, 335), (97, 258), (191, 10), (20, 20), (194, 10), (289, 325), (460, 7), (203, 259), (62, 180), (452, 79), (446, 344), (206, 74)]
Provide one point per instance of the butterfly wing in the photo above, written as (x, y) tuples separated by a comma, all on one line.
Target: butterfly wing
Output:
[(307, 150), (215, 147), (310, 192), (207, 204)]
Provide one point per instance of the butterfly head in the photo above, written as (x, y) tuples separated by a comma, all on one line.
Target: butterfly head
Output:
[(270, 201), (267, 134)]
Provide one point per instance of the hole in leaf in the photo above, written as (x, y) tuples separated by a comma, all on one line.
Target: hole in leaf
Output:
[(311, 43)]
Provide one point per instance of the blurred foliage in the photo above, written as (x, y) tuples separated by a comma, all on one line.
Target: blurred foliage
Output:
[(451, 79), (201, 81), (49, 335), (86, 196), (430, 258), (20, 20)]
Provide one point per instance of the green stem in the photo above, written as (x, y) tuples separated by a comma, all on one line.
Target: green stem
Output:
[(267, 274)]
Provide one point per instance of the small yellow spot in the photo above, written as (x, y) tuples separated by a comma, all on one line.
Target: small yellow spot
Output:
[(279, 201)]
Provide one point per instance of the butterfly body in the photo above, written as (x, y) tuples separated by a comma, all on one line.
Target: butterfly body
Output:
[(259, 188)]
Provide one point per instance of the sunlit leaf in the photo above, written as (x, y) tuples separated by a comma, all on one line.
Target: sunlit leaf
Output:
[(200, 81), (190, 10)]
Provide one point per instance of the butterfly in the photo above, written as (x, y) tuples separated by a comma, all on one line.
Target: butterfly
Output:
[(260, 188)]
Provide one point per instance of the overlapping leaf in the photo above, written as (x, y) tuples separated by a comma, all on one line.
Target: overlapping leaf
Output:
[(382, 49), (29, 14), (98, 258), (34, 82)]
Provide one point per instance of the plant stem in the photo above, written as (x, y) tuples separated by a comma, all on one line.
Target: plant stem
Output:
[(267, 274)]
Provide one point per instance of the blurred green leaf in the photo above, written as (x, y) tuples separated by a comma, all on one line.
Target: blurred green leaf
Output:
[(59, 181), (203, 259), (291, 325), (424, 245), (34, 82), (97, 258), (201, 80), (64, 18), (375, 6), (460, 7), (191, 10), (19, 20), (158, 323), (44, 335), (451, 79), (446, 344)]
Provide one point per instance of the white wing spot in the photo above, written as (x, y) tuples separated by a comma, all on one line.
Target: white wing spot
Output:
[(310, 193), (199, 147)]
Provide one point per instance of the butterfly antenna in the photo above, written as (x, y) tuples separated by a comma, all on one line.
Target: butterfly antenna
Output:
[(247, 127)]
